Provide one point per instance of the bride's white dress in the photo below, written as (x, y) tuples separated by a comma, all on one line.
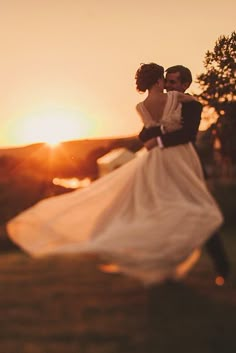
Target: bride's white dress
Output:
[(148, 216)]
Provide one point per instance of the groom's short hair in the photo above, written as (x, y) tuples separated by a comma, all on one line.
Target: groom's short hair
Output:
[(184, 73)]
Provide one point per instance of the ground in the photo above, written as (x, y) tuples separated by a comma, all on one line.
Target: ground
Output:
[(65, 304)]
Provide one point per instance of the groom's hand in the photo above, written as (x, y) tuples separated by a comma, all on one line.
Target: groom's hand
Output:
[(150, 143)]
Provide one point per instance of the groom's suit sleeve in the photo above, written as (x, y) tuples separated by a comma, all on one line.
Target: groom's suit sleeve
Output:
[(191, 115)]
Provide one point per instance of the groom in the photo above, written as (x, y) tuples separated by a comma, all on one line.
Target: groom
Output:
[(179, 78)]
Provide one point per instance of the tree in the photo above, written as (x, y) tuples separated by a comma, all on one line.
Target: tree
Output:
[(218, 84)]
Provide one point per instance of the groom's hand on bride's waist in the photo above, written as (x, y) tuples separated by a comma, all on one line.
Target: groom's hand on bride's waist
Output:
[(152, 137), (152, 143)]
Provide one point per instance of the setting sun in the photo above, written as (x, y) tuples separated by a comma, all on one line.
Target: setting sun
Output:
[(54, 126)]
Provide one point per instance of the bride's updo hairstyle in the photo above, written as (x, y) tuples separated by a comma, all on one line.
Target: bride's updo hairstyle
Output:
[(147, 75)]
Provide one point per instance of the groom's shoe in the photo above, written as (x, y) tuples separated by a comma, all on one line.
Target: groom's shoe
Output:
[(216, 250), (223, 274)]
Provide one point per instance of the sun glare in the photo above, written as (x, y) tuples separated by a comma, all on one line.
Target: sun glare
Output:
[(55, 126), (53, 144)]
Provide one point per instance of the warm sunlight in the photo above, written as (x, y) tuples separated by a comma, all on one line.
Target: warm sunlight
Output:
[(72, 183), (53, 126), (209, 116)]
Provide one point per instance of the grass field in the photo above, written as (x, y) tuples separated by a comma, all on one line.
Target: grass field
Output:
[(66, 305)]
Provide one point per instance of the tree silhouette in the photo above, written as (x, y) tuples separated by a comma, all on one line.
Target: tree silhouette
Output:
[(218, 84)]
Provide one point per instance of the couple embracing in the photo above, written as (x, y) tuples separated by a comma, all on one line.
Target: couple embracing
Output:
[(150, 215), (179, 78)]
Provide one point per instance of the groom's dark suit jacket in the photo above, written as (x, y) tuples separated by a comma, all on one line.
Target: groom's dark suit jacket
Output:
[(191, 116)]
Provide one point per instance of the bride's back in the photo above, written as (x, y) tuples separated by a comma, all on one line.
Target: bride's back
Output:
[(155, 105)]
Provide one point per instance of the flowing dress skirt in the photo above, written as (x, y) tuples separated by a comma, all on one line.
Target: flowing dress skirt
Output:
[(148, 216)]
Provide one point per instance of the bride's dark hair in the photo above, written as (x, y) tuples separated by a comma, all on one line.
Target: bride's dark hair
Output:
[(147, 75)]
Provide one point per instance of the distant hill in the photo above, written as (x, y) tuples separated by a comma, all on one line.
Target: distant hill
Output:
[(78, 148), (70, 158)]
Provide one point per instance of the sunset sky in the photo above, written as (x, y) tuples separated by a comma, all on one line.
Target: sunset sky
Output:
[(67, 66)]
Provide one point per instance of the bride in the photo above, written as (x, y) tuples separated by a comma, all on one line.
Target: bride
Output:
[(147, 217)]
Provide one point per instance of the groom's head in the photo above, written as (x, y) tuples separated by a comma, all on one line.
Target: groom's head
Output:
[(178, 78)]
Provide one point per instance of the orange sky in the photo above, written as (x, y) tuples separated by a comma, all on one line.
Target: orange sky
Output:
[(67, 66)]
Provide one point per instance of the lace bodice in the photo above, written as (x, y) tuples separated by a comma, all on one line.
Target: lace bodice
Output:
[(171, 118)]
